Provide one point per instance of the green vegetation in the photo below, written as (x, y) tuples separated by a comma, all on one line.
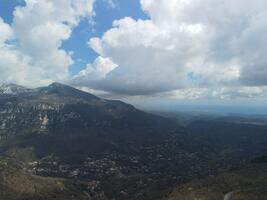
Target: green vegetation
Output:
[(246, 184), (15, 184)]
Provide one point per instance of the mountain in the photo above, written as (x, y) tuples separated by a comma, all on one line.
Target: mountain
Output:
[(62, 112), (104, 149), (61, 132)]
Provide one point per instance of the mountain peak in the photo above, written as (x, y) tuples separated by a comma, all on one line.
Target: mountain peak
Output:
[(66, 90), (57, 85)]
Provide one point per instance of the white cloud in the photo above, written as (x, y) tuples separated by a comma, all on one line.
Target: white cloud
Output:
[(35, 56), (224, 93), (6, 32), (244, 92), (187, 44), (98, 70)]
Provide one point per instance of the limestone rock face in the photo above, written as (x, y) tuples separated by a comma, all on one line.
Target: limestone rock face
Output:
[(63, 110)]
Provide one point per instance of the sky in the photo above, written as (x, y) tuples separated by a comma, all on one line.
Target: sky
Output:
[(146, 52)]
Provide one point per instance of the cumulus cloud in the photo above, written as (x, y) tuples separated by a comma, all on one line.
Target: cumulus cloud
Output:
[(6, 32), (186, 44), (35, 57), (98, 70)]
